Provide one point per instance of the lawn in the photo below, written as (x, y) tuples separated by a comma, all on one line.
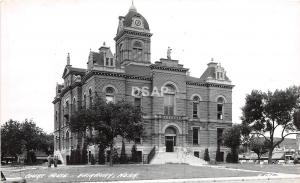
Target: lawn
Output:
[(289, 168), (122, 172)]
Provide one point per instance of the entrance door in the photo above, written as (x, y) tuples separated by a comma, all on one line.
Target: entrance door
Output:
[(170, 143)]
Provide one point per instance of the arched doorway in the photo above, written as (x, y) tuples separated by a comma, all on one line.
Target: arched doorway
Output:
[(170, 139)]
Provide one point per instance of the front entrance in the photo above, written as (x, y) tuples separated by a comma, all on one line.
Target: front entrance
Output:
[(170, 143), (170, 139)]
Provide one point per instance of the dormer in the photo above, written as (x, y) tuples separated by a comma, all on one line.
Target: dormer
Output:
[(215, 73)]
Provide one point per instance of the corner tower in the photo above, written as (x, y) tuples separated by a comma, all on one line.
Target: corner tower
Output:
[(133, 39)]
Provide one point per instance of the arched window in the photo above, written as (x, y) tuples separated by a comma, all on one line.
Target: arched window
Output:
[(110, 94), (90, 97), (137, 51), (196, 102), (220, 108), (169, 100)]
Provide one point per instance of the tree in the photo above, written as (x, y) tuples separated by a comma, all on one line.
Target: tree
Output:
[(232, 139), (206, 155), (266, 113), (110, 120), (10, 139), (259, 146)]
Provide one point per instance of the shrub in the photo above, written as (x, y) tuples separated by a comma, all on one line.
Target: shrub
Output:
[(84, 158), (101, 158), (206, 155), (232, 157), (116, 156), (93, 161), (134, 157)]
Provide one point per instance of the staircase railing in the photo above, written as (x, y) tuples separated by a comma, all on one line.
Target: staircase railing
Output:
[(151, 154)]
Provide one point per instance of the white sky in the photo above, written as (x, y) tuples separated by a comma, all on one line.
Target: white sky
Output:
[(257, 41)]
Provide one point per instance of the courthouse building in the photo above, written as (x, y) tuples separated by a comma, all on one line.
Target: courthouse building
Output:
[(190, 115)]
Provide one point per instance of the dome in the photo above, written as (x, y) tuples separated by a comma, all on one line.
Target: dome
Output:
[(131, 14)]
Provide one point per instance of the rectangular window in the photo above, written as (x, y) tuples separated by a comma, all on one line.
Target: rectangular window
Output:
[(169, 104), (195, 110), (220, 111), (195, 136), (137, 54), (107, 62), (111, 62), (137, 102)]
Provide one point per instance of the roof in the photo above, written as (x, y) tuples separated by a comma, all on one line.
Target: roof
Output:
[(128, 19), (193, 79), (210, 72), (69, 69)]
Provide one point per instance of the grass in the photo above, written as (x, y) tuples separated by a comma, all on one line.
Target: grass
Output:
[(128, 172), (289, 168)]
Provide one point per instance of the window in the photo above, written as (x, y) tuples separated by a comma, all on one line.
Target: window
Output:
[(220, 106), (90, 97), (137, 51), (195, 136), (169, 100), (196, 154), (110, 92), (196, 101), (121, 52), (111, 62), (84, 101), (107, 62), (137, 102)]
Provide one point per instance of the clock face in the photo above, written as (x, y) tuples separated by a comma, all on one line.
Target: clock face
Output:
[(137, 22)]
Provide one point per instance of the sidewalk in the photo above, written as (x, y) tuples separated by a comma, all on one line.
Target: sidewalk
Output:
[(286, 178)]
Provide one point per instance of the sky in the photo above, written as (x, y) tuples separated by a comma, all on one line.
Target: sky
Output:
[(256, 41)]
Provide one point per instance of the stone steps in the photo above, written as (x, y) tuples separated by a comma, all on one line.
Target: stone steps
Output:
[(177, 157)]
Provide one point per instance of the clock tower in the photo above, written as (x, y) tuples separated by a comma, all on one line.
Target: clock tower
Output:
[(133, 39)]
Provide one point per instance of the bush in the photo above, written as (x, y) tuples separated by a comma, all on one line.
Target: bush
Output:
[(232, 157), (30, 158), (218, 156), (116, 156), (93, 161), (134, 156), (84, 158), (101, 158), (206, 155), (296, 161)]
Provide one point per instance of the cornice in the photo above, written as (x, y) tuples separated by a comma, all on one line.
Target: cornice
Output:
[(209, 84), (177, 69)]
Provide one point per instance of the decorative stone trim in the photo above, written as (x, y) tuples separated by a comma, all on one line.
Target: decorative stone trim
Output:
[(209, 84), (153, 66)]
